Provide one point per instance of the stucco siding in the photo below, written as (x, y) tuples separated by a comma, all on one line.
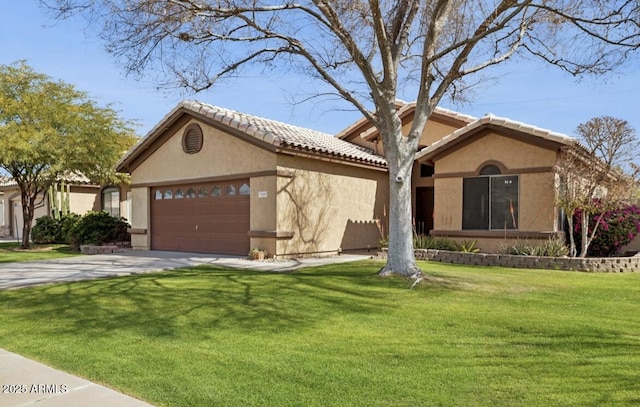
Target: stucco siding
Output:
[(537, 202), (16, 214), (222, 154), (329, 206), (140, 211), (264, 191), (83, 200), (512, 153), (447, 208), (433, 131), (536, 194)]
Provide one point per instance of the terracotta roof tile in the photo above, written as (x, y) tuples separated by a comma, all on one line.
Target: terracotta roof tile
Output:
[(500, 122), (70, 178), (285, 135), (404, 109)]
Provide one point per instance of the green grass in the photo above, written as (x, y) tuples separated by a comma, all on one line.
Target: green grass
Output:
[(340, 335), (11, 252)]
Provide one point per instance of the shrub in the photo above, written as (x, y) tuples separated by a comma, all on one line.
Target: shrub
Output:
[(97, 228), (433, 242), (550, 248), (67, 223), (46, 230), (617, 228), (424, 242), (467, 246)]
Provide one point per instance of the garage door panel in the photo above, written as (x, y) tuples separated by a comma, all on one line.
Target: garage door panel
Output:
[(206, 222)]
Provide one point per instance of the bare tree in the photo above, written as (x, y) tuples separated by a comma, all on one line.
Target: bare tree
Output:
[(597, 175), (364, 50)]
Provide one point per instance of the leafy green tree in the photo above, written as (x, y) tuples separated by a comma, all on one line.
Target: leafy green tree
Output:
[(365, 53), (48, 129)]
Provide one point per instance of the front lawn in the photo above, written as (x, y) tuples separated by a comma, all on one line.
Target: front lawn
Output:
[(341, 336), (11, 252)]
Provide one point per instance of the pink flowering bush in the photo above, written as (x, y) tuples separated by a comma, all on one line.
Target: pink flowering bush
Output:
[(617, 228)]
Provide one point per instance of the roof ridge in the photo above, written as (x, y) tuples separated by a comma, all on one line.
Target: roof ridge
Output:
[(403, 108), (501, 122), (233, 111)]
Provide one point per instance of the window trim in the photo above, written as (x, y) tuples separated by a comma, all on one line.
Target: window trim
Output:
[(111, 190), (491, 178)]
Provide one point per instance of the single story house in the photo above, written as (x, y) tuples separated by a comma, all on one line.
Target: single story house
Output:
[(84, 197), (209, 179), (487, 179)]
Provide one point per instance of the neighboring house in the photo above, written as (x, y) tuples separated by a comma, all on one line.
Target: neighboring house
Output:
[(209, 179), (84, 197)]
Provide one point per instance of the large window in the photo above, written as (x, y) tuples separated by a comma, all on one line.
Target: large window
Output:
[(490, 201), (111, 201)]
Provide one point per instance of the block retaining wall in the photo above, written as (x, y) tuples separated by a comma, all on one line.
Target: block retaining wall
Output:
[(106, 249), (591, 265)]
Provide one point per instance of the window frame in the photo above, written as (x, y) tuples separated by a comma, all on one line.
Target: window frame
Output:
[(113, 210), (490, 199)]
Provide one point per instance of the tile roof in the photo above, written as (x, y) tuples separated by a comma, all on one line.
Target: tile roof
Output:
[(501, 122), (404, 109), (269, 131), (441, 111), (70, 178)]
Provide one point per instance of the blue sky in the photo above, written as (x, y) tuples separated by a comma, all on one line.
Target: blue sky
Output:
[(528, 92)]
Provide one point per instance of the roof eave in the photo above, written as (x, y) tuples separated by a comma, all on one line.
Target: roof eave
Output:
[(123, 165), (462, 134)]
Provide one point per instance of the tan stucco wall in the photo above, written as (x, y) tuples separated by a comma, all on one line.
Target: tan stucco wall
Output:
[(264, 192), (433, 131), (84, 199), (17, 220), (537, 212), (329, 206), (537, 203), (510, 152), (221, 154), (125, 202), (140, 213), (447, 205)]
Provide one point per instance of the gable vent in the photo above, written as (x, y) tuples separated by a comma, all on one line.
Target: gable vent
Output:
[(192, 139)]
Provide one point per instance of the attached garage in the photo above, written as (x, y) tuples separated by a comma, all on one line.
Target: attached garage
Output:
[(206, 218), (211, 180)]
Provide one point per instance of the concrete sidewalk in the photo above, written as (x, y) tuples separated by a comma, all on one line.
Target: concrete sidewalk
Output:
[(28, 383)]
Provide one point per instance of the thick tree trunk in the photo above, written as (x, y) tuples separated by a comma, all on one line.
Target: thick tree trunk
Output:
[(400, 257)]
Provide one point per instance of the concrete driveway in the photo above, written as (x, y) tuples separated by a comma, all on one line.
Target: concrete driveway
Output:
[(16, 275)]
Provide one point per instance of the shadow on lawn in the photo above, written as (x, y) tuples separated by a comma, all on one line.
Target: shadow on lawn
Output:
[(206, 298)]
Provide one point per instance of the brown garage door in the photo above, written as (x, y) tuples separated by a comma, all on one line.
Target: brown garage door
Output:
[(203, 218)]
